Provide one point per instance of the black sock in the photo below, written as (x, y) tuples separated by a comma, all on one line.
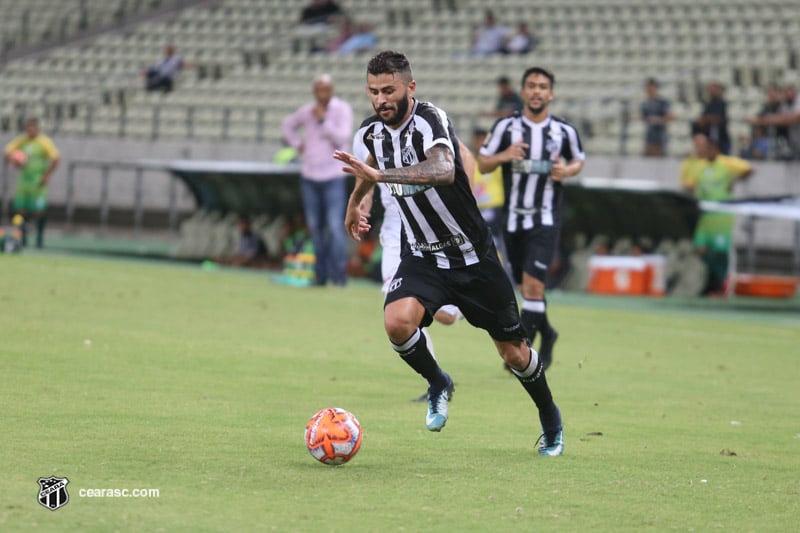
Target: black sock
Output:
[(24, 229), (534, 317), (535, 384), (40, 232), (416, 354), (545, 321)]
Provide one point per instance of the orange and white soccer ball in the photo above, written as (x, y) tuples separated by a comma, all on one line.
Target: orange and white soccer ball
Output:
[(333, 436), (18, 158)]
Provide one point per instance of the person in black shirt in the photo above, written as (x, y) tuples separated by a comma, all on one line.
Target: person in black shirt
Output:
[(714, 118), (449, 256)]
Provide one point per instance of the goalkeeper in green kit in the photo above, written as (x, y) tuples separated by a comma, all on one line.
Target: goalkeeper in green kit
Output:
[(36, 157)]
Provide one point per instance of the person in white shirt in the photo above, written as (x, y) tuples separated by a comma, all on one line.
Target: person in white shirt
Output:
[(490, 37), (161, 76)]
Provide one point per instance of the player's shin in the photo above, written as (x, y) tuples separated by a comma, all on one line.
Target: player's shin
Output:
[(417, 355), (533, 317), (534, 382)]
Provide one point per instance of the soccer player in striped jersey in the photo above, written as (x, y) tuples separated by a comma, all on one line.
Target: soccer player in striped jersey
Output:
[(450, 257), (537, 151), (391, 238)]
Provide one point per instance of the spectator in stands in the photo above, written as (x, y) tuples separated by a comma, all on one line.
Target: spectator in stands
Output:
[(317, 24), (520, 42), (758, 147), (710, 175), (656, 114), (320, 12), (714, 118), (327, 125), (778, 135), (508, 100), (36, 157), (361, 40), (346, 30), (489, 37), (787, 116), (160, 76)]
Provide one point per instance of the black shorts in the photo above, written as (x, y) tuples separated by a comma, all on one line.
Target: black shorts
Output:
[(531, 251), (482, 292)]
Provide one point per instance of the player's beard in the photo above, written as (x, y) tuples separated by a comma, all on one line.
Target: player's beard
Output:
[(537, 110), (402, 109)]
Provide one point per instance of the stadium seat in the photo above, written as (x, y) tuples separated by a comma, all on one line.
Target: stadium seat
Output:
[(243, 49)]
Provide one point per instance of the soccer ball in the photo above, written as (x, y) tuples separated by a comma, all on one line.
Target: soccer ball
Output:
[(18, 158), (333, 436)]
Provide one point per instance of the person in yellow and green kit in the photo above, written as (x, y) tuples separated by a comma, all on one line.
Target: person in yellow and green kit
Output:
[(710, 175), (36, 157)]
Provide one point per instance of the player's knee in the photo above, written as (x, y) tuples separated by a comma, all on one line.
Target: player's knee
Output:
[(515, 355), (399, 327)]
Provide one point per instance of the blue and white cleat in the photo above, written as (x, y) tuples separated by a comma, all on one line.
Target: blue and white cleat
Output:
[(552, 445), (436, 417)]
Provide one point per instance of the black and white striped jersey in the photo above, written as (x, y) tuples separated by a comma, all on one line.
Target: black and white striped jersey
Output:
[(531, 198), (441, 222)]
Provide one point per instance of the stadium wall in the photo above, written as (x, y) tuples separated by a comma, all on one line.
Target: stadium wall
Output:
[(770, 178)]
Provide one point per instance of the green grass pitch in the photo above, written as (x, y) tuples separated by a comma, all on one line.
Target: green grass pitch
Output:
[(129, 375)]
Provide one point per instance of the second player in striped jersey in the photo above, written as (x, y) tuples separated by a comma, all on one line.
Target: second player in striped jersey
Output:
[(537, 151)]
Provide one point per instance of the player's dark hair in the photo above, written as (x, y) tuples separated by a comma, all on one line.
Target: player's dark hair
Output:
[(539, 70), (390, 62)]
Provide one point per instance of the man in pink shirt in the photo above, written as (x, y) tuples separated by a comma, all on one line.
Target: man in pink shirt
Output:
[(327, 125)]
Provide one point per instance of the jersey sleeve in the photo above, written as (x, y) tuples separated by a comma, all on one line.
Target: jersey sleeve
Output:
[(360, 149), (49, 147), (14, 144), (572, 150), (494, 139), (735, 165), (433, 128)]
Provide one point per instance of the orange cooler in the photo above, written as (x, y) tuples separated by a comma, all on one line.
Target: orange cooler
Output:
[(627, 275)]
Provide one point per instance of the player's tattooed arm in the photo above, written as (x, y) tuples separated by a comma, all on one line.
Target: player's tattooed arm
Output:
[(438, 169)]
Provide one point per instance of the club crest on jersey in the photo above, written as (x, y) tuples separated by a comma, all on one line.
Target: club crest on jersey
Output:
[(409, 155), (553, 143)]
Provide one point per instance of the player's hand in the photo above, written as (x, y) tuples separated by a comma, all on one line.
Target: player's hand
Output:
[(356, 223), (516, 151), (356, 167), (558, 170)]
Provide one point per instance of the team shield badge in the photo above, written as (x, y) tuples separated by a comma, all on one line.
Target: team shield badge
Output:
[(53, 492)]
